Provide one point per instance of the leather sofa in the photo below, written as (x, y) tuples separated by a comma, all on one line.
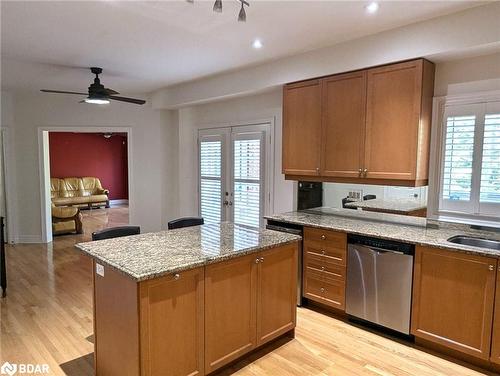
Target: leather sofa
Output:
[(66, 220), (78, 192)]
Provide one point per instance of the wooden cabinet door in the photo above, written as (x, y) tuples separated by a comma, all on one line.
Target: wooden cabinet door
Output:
[(277, 292), (230, 310), (392, 120), (342, 144), (172, 324), (302, 128), (453, 296), (495, 339)]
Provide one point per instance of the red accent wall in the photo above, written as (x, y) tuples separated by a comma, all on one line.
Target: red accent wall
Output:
[(90, 154)]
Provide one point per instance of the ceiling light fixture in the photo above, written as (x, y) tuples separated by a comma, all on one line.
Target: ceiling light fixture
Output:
[(257, 43), (218, 6), (91, 100), (242, 16), (372, 7)]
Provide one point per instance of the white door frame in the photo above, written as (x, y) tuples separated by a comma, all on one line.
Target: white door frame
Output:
[(44, 168), (269, 155), (9, 185)]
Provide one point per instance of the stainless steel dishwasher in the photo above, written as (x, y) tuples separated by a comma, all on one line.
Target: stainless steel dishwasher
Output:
[(379, 281)]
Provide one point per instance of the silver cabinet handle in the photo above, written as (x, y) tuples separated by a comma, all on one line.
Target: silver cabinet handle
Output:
[(491, 267), (177, 276)]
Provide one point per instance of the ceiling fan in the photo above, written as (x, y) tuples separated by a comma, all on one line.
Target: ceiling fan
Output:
[(97, 93)]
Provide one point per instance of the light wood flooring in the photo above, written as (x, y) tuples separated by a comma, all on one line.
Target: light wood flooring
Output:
[(47, 318)]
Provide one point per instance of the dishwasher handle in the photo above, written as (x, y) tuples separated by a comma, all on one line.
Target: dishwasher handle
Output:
[(377, 250)]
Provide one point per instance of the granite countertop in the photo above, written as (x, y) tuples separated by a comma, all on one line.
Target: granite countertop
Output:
[(390, 226), (152, 255), (395, 205)]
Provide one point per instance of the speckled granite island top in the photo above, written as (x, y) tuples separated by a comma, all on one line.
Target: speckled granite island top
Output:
[(390, 226), (152, 255)]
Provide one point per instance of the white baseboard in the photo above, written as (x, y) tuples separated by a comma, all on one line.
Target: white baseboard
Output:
[(118, 202), (26, 239)]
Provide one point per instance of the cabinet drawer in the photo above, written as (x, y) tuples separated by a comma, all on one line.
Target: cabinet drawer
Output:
[(334, 293), (334, 255), (324, 264), (325, 288), (326, 238)]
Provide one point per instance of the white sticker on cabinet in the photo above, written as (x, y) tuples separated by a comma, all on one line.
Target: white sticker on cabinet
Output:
[(99, 269)]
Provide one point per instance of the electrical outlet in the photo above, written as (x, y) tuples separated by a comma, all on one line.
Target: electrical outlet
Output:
[(356, 194)]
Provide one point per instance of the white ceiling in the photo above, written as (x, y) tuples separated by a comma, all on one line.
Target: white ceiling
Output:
[(144, 46)]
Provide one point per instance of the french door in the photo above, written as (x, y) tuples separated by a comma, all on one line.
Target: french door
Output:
[(233, 174)]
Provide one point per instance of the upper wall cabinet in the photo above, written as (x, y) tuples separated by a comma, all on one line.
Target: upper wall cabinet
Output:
[(302, 128), (342, 144), (373, 128)]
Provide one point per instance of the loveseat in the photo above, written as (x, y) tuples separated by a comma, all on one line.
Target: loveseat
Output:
[(79, 192)]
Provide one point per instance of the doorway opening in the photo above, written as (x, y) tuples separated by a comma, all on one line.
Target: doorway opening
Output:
[(85, 181)]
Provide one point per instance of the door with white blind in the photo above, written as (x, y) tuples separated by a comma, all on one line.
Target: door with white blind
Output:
[(234, 174)]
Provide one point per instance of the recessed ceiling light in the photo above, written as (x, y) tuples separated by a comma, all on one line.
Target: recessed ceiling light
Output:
[(372, 7), (257, 43)]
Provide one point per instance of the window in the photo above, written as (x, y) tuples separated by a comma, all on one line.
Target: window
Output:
[(470, 163)]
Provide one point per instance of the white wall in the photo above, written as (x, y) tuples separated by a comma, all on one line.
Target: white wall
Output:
[(227, 113), (478, 73), (150, 200)]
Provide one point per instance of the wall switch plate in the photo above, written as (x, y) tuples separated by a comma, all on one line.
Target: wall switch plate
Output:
[(99, 269)]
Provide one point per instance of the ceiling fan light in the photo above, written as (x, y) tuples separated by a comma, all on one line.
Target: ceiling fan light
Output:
[(218, 6), (96, 100), (242, 17)]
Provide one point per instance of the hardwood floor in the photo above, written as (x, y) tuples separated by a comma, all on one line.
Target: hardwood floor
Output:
[(47, 318)]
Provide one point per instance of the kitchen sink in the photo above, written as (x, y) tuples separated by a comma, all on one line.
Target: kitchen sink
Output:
[(475, 242)]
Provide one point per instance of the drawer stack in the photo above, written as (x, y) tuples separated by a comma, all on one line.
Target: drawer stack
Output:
[(325, 266)]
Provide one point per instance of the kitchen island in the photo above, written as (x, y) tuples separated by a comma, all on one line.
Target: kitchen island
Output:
[(189, 301)]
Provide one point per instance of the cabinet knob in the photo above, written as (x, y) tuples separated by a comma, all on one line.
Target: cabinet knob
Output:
[(365, 171), (491, 267), (261, 259), (323, 237), (317, 170), (322, 251), (322, 289), (257, 260), (360, 172), (322, 268), (177, 276)]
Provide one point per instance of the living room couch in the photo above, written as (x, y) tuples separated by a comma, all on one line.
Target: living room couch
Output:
[(78, 192)]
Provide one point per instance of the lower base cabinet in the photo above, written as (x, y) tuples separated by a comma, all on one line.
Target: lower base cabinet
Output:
[(248, 302), (172, 325), (196, 321), (453, 298), (495, 335)]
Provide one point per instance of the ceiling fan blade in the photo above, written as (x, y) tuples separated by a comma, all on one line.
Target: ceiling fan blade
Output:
[(111, 91), (128, 100), (63, 92)]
